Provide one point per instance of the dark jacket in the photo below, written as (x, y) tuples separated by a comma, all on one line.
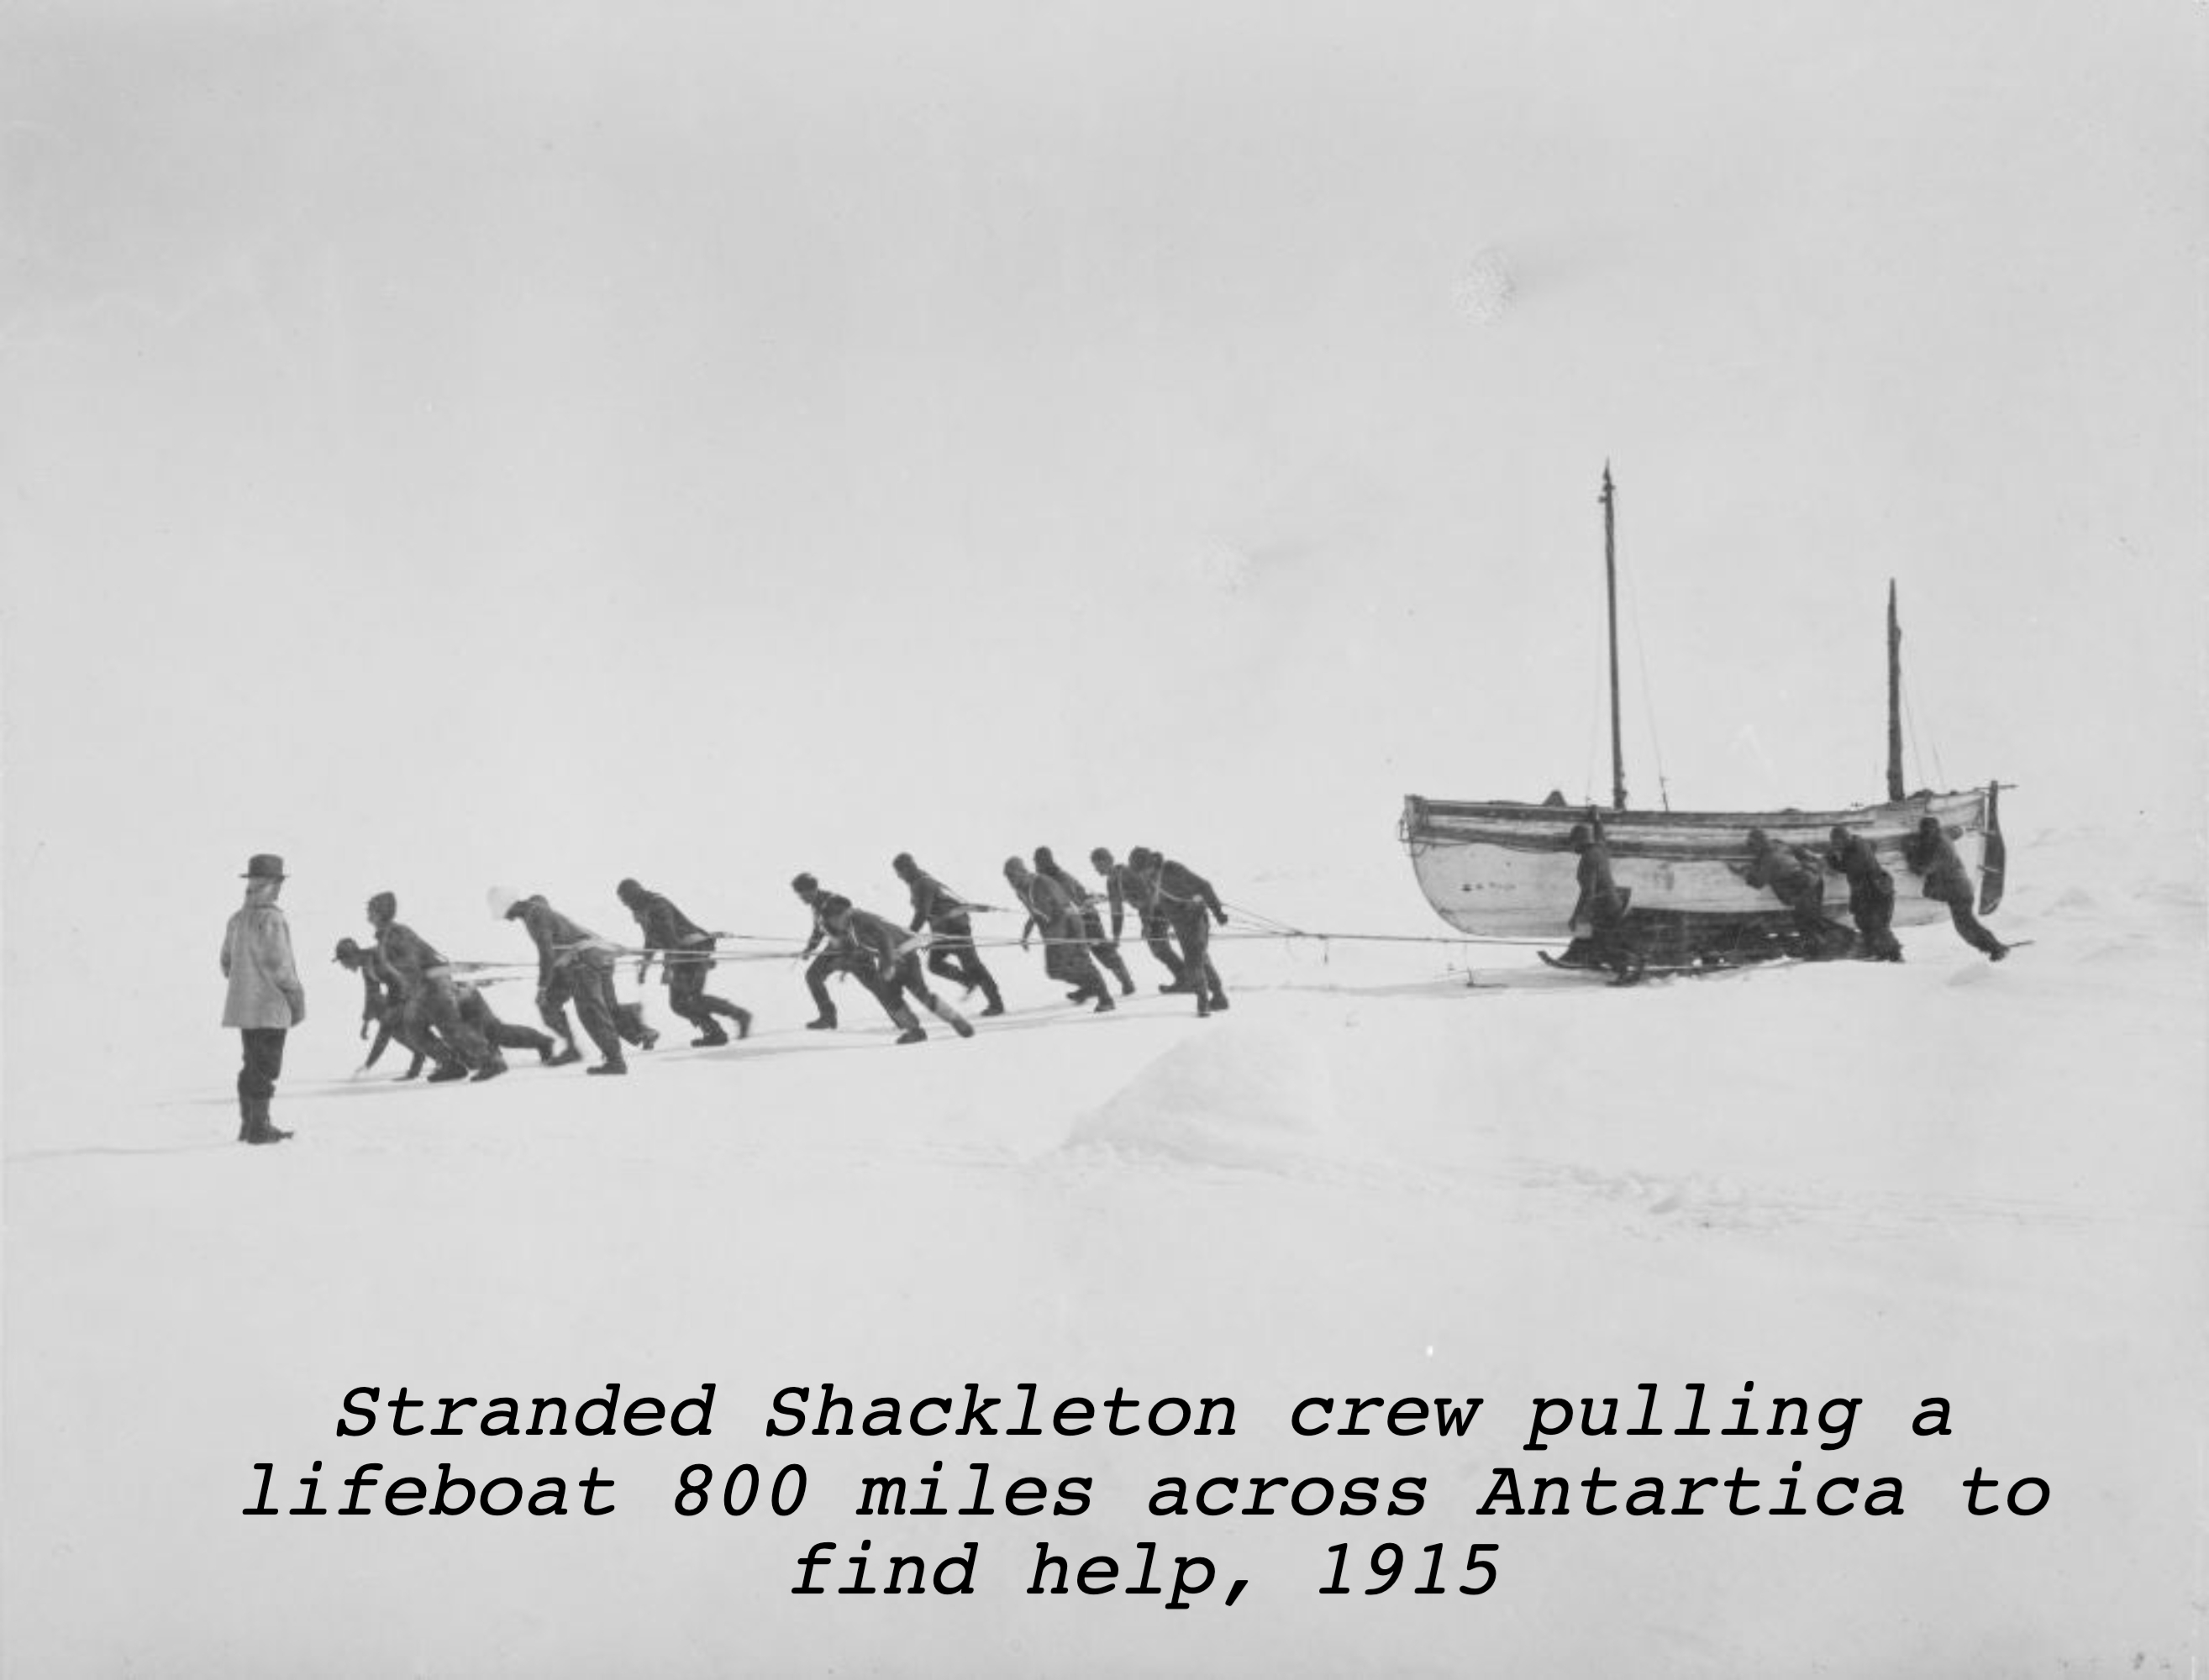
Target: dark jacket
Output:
[(666, 928), (1782, 869), (935, 905), (1934, 858), (1859, 863), (1599, 897), (558, 939), (1050, 908), (876, 938), (1175, 887), (407, 955)]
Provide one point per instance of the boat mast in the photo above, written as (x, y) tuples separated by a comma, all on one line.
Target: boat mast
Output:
[(1611, 597), (1893, 697)]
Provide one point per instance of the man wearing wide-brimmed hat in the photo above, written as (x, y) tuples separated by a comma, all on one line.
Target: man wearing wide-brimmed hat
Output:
[(266, 999)]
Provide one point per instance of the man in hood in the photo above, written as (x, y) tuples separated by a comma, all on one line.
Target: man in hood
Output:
[(433, 1002), (265, 999), (1106, 951), (1120, 894), (1185, 899), (686, 957), (1931, 854), (950, 921), (573, 962), (1052, 913)]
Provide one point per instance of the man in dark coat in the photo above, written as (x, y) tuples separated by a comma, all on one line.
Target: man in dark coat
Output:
[(574, 962), (383, 1007), (884, 952), (263, 999), (1119, 894), (832, 957), (1106, 951), (1871, 893), (948, 919), (1930, 853), (1601, 905), (1065, 942), (433, 1004), (686, 958), (1185, 899), (1797, 880)]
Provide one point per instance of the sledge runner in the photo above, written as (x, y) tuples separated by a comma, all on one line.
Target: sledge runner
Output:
[(951, 953), (1188, 903), (686, 958), (1871, 893), (1065, 942), (1106, 951), (1931, 854), (1119, 894), (264, 999)]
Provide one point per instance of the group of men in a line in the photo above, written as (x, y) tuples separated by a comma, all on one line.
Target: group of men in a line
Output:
[(413, 995), (1796, 876), (1174, 907)]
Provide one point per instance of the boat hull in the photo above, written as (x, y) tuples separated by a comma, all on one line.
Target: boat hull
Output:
[(1498, 870)]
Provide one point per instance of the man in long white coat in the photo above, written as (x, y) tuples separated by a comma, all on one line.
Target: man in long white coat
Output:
[(266, 999)]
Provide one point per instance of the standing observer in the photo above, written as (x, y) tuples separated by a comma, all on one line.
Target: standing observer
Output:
[(266, 999)]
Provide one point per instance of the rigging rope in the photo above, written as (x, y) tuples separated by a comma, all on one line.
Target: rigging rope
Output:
[(1648, 707)]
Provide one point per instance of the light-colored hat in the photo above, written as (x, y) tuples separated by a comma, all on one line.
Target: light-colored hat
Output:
[(263, 867)]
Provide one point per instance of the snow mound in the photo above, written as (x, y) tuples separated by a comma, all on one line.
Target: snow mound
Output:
[(1248, 1098)]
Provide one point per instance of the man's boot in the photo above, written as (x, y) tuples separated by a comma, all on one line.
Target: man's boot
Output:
[(244, 1118), (709, 1035), (612, 1064), (448, 1071), (259, 1129), (568, 1056), (489, 1069), (744, 1019), (826, 1024)]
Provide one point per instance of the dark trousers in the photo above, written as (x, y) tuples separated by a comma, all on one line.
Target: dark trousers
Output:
[(1105, 951), (863, 971), (816, 982), (433, 1007), (906, 978), (1807, 903), (552, 1009), (952, 956), (478, 1014), (1871, 907), (1192, 925), (1156, 928), (686, 991), (264, 1061), (1066, 959), (588, 979), (1974, 931)]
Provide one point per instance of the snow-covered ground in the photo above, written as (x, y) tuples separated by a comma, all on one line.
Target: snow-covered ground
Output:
[(458, 444), (1379, 1175)]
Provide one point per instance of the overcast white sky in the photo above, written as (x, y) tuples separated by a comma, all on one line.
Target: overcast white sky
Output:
[(537, 444)]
